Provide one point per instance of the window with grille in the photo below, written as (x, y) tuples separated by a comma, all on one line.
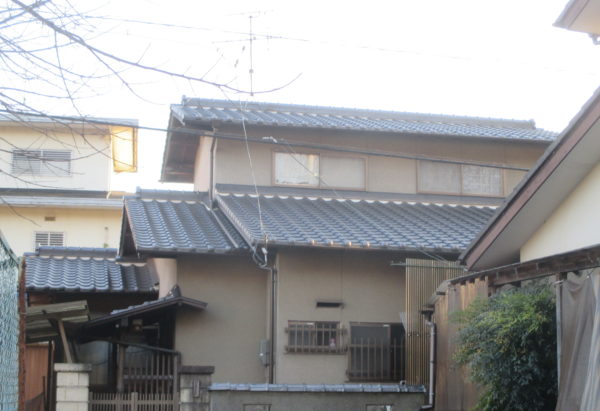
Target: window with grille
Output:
[(376, 352), (49, 238), (42, 162), (314, 337)]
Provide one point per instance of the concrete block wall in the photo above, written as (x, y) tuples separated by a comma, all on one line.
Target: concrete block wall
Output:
[(72, 386), (193, 387)]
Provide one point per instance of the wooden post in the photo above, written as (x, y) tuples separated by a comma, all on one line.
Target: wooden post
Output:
[(65, 343), (121, 368)]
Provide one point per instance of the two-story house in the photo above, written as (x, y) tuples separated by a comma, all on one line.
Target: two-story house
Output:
[(315, 234), (55, 185)]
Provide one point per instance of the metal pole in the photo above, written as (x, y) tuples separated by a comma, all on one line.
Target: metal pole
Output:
[(559, 284)]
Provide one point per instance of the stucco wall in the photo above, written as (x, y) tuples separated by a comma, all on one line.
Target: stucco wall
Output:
[(90, 165), (370, 289), (574, 224), (383, 174), (227, 333), (203, 166), (82, 227)]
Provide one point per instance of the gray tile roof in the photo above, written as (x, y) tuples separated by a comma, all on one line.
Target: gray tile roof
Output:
[(207, 111), (179, 222), (317, 387), (84, 270), (306, 221), (358, 195)]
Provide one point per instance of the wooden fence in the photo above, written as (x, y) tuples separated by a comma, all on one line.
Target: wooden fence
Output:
[(133, 402), (454, 391)]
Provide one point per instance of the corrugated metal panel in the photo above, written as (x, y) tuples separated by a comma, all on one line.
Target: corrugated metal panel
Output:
[(422, 279)]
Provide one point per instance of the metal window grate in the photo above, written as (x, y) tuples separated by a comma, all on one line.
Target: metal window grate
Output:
[(42, 162), (376, 352), (314, 337)]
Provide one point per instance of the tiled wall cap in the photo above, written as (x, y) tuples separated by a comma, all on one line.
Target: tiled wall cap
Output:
[(66, 367)]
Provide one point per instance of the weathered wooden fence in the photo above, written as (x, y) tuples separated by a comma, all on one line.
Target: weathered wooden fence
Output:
[(149, 381), (454, 391)]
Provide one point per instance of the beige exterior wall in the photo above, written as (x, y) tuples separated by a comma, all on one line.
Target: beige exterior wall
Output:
[(371, 291), (202, 167), (227, 333), (90, 166), (383, 174), (165, 270), (82, 227), (574, 224)]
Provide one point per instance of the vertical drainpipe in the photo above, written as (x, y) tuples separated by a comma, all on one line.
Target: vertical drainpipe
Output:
[(432, 345), (559, 283), (273, 271)]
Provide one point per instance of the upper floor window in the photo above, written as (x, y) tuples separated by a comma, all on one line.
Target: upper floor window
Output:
[(297, 169), (322, 171), (42, 162), (445, 178), (49, 238)]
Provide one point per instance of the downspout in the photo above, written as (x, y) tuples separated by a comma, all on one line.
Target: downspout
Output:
[(273, 271), (262, 263), (432, 345)]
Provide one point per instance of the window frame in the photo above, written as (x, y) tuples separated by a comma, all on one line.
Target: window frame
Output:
[(319, 184), (313, 346), (461, 172), (42, 157)]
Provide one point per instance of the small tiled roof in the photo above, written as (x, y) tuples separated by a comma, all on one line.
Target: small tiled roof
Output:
[(84, 270), (326, 222), (207, 111), (179, 222)]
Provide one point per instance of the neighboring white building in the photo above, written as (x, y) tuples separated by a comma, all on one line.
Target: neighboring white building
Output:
[(55, 180)]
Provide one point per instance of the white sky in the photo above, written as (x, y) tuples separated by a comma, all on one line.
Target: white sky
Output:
[(490, 58)]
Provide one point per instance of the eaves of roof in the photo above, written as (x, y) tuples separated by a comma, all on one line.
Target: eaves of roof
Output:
[(548, 183), (62, 202), (196, 112), (146, 308)]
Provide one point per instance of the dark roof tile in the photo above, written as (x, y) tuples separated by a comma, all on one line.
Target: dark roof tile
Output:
[(195, 110), (373, 224), (167, 224), (84, 270)]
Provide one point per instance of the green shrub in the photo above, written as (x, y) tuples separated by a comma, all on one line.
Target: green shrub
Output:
[(508, 343)]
